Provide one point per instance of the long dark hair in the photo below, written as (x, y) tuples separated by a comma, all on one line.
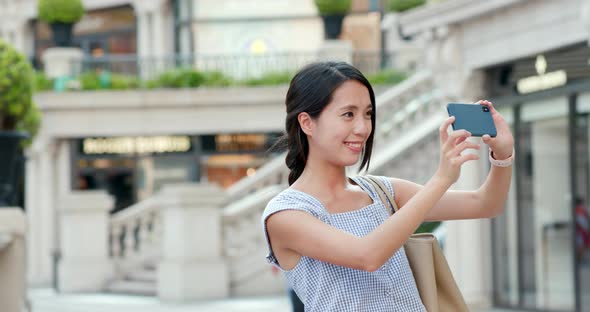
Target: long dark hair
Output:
[(311, 91)]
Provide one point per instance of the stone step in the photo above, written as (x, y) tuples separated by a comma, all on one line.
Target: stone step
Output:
[(132, 288), (144, 275)]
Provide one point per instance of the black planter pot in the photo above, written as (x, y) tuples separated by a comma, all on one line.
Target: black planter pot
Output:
[(62, 34), (10, 158), (332, 25)]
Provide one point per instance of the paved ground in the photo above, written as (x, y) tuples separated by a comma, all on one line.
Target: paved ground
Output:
[(46, 300)]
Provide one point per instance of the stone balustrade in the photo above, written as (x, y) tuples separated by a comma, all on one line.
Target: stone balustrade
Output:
[(245, 245), (135, 235)]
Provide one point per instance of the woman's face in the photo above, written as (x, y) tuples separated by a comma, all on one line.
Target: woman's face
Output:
[(341, 130)]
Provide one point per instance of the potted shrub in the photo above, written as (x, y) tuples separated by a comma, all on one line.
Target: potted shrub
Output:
[(18, 116), (61, 15), (333, 12), (404, 5)]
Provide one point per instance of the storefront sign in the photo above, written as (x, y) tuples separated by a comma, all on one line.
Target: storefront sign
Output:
[(240, 142), (136, 145), (543, 80)]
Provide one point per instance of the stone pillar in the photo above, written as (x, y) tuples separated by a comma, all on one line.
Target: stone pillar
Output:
[(85, 263), (62, 61), (192, 266), (32, 200), (41, 212), (12, 259), (336, 50)]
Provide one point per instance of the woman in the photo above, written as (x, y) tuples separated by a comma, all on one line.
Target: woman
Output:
[(336, 243)]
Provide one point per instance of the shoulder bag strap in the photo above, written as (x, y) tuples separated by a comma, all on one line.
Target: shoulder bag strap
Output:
[(382, 190)]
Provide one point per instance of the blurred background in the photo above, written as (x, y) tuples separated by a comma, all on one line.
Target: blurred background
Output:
[(147, 167)]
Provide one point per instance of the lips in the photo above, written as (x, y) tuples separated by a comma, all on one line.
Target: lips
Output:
[(355, 147)]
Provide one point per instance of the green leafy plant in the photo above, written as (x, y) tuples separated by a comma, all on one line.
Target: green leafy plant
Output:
[(386, 77), (60, 11), (404, 5), (217, 79), (181, 78), (42, 83), (333, 7), (17, 110)]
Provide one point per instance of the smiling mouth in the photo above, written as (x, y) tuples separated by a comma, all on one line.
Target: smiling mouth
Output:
[(355, 147)]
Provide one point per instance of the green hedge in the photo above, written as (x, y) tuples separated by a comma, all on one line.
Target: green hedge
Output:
[(42, 83), (269, 79), (389, 76)]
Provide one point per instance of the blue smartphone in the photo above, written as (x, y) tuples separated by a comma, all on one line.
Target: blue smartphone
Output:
[(475, 118)]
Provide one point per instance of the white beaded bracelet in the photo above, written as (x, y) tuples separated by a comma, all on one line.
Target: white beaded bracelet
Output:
[(502, 162)]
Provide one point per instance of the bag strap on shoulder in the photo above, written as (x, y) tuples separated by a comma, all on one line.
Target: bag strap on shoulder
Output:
[(381, 189)]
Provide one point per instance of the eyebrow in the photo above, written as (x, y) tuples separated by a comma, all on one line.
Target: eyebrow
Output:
[(354, 107)]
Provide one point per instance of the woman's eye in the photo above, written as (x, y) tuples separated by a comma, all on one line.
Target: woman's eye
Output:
[(348, 114)]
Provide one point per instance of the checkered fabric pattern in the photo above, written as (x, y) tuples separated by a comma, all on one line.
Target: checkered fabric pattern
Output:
[(324, 286)]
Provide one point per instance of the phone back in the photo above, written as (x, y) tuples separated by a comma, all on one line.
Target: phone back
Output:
[(474, 118)]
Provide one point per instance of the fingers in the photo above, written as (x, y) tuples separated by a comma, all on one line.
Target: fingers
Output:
[(488, 104), (465, 158), (463, 146), (443, 129), (453, 138), (486, 139)]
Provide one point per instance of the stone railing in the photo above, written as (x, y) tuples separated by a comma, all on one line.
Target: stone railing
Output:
[(244, 243), (274, 172), (403, 106), (135, 235)]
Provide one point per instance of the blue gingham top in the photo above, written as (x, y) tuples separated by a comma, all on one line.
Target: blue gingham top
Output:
[(324, 286)]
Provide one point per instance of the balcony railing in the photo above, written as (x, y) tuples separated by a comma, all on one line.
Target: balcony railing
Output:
[(236, 67)]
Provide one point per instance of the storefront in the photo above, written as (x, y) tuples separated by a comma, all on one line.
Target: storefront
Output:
[(537, 264), (134, 168)]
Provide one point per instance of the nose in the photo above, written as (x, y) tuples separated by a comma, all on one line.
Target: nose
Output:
[(362, 127)]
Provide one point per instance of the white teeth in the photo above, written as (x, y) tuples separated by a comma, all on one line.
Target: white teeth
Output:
[(354, 145)]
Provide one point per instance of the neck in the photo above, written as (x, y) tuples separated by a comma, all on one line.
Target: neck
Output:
[(320, 178)]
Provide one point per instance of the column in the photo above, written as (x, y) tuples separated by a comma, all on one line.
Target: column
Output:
[(41, 211), (84, 222), (32, 200), (192, 266)]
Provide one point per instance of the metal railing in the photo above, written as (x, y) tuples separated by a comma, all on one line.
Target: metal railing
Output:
[(234, 66)]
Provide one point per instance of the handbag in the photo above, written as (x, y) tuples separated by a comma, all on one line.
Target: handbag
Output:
[(437, 287)]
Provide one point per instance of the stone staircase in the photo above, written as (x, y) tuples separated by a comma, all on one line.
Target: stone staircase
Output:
[(141, 281)]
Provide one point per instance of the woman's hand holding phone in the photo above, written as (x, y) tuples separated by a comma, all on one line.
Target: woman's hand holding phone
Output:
[(451, 147), (503, 144)]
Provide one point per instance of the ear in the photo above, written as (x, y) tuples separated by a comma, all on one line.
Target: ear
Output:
[(305, 122)]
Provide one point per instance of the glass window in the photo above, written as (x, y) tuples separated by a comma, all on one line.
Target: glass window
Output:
[(544, 203)]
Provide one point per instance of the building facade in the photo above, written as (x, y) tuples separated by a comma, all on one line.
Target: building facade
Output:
[(531, 58)]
